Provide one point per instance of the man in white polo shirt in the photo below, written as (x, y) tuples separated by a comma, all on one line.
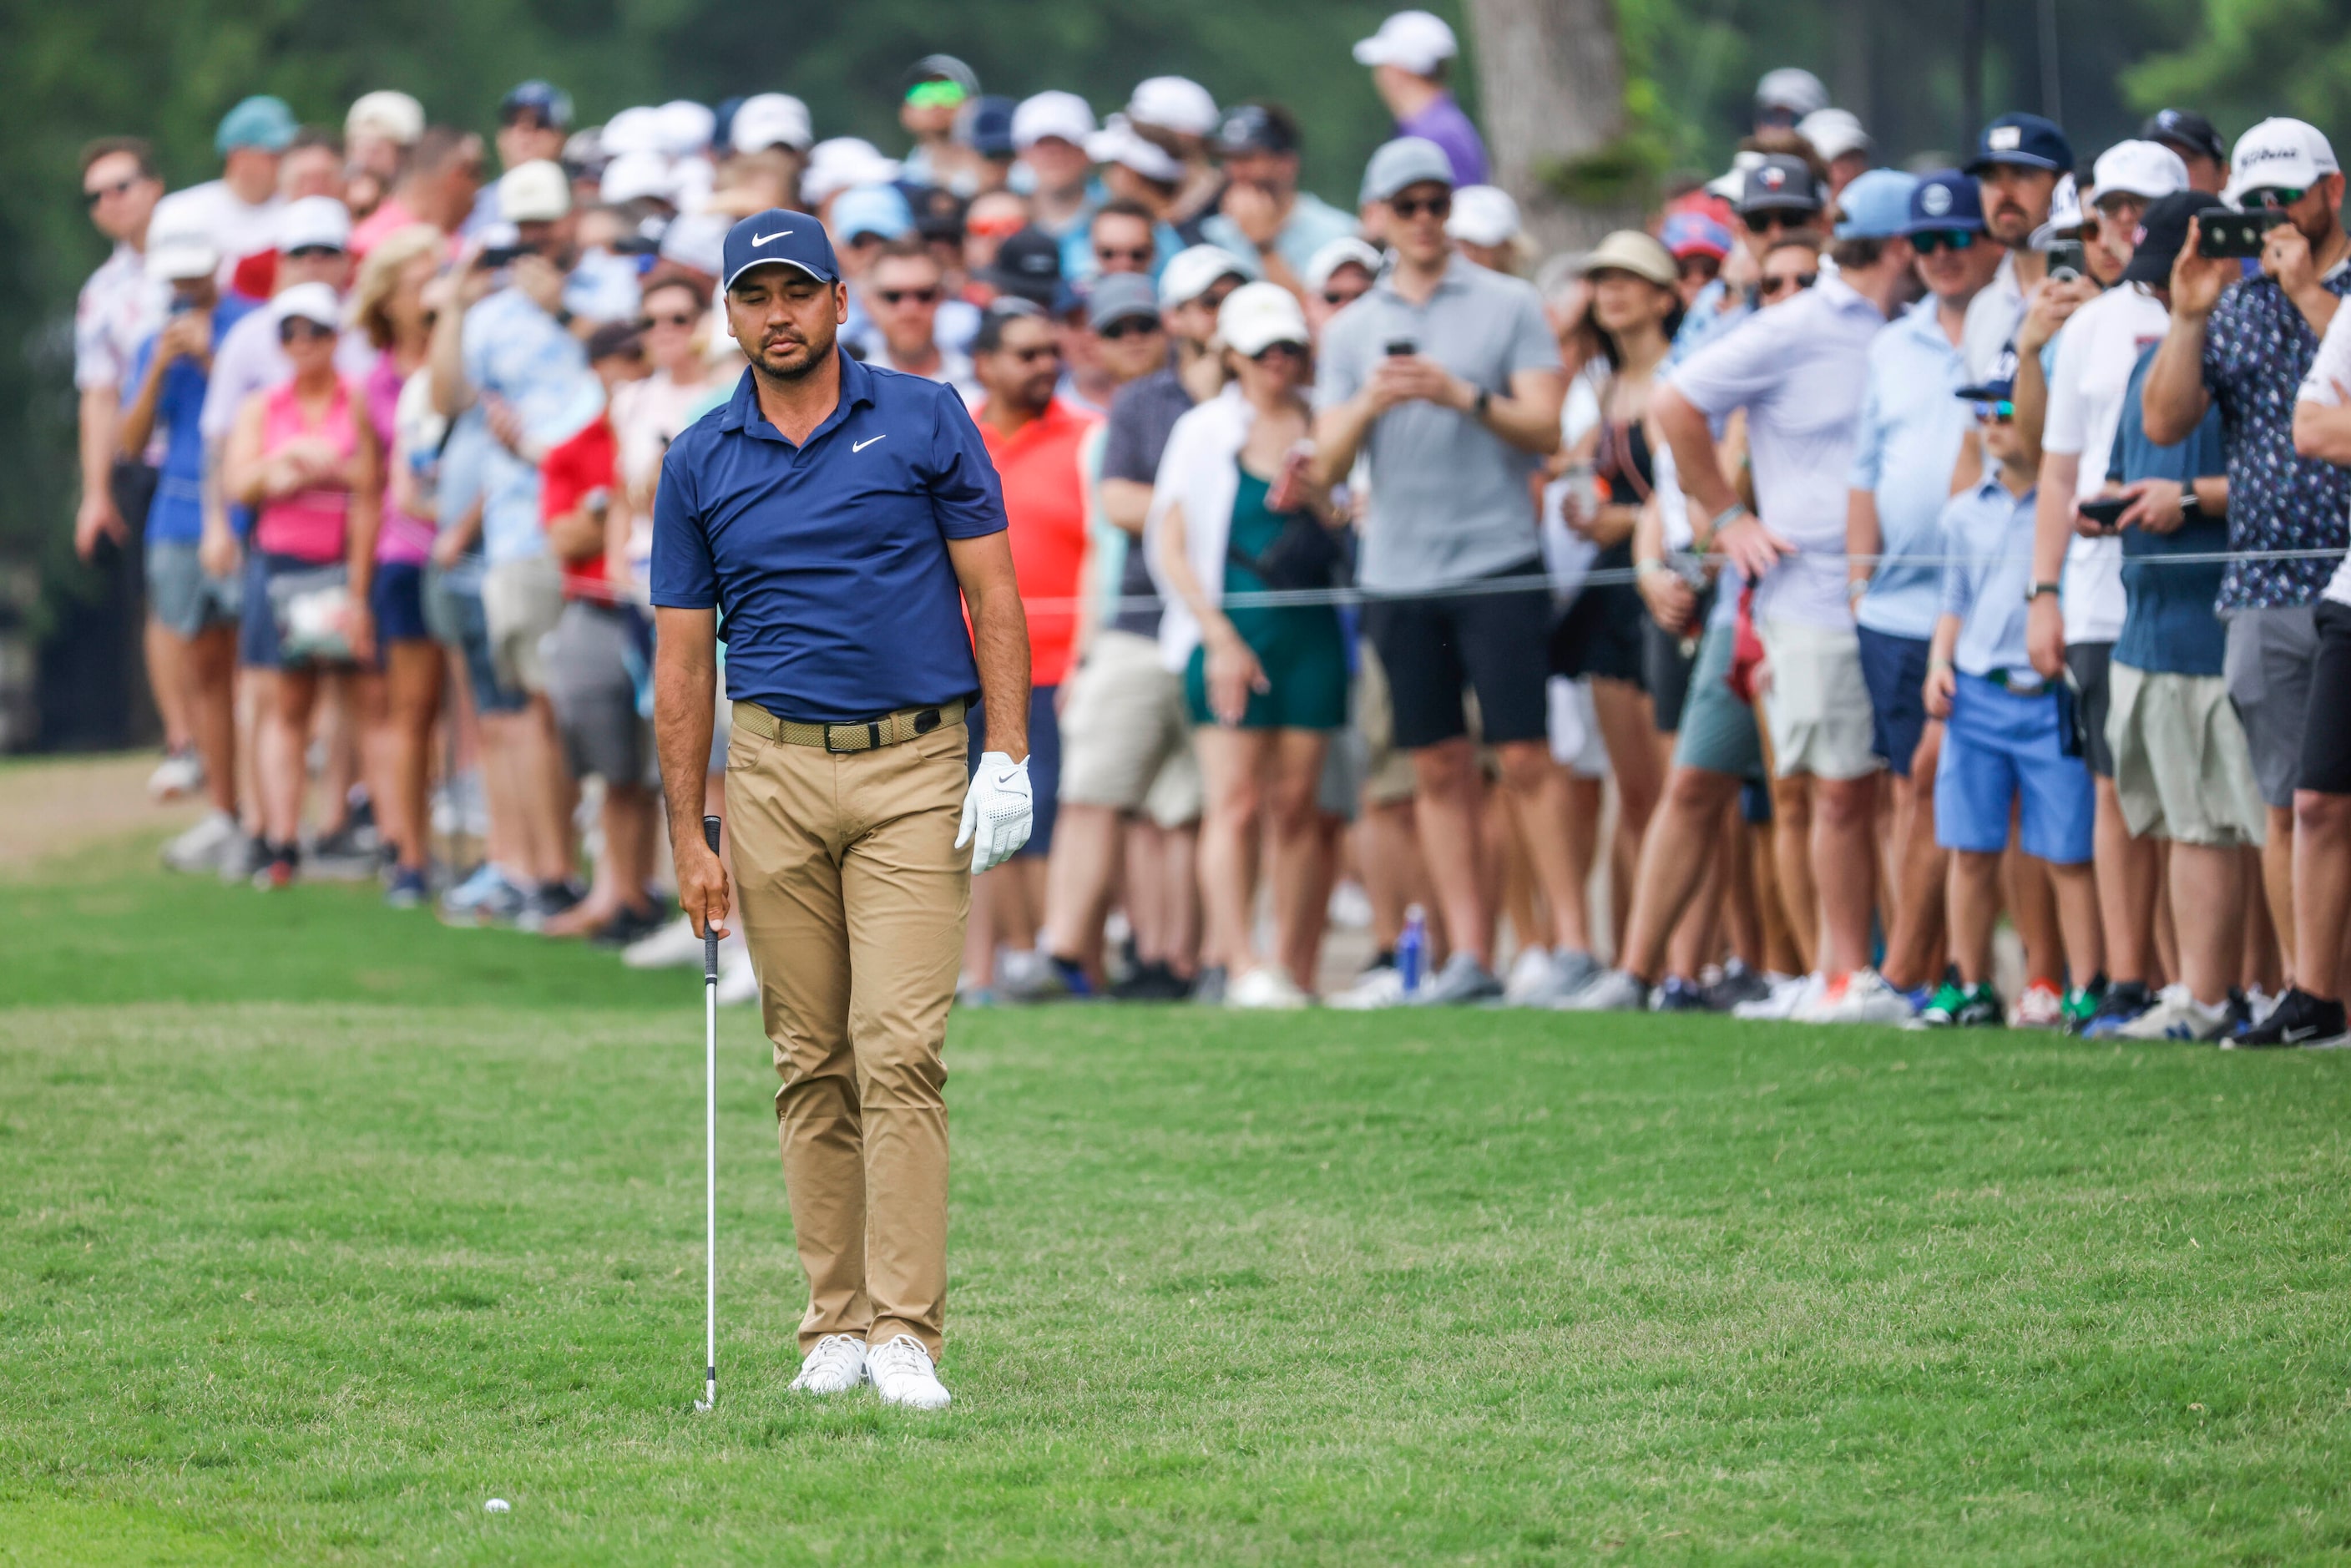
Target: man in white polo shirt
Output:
[(2075, 628), (1798, 370)]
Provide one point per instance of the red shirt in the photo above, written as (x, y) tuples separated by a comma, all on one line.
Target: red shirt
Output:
[(583, 462), (1045, 496)]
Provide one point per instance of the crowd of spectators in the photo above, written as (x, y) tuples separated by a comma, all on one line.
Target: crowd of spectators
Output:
[(1749, 612)]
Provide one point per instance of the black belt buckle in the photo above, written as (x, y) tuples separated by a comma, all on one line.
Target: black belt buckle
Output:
[(841, 750)]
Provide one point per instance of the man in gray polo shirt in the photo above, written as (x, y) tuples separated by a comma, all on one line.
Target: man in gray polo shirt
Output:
[(1445, 376)]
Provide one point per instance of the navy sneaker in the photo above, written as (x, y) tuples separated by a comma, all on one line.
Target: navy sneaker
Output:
[(1677, 995)]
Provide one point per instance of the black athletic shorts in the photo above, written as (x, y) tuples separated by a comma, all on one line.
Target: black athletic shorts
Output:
[(1600, 633), (1666, 669), (2090, 663), (1491, 643), (2326, 739)]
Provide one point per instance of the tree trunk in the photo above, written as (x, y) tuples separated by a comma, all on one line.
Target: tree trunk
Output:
[(1551, 80)]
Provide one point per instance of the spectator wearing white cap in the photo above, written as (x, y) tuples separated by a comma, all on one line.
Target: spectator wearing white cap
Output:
[(507, 347), (378, 131), (1139, 175), (1180, 115), (2247, 343), (190, 612), (843, 164), (1263, 214), (1336, 277), (1785, 96), (1485, 228), (313, 247), (2074, 632), (1836, 134), (767, 144), (1409, 58), (1049, 131)]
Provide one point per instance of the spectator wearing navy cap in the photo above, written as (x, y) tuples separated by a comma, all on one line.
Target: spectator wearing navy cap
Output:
[(1799, 370), (984, 125), (2009, 742), (534, 119), (1027, 266), (2019, 159), (1912, 428), (2200, 146), (1264, 216), (843, 516)]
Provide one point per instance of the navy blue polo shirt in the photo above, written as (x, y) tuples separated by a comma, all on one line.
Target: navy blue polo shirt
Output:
[(828, 560)]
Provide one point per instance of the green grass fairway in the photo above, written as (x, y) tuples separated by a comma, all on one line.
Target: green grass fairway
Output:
[(320, 1225)]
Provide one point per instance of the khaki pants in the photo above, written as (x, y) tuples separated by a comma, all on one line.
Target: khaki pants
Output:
[(852, 899)]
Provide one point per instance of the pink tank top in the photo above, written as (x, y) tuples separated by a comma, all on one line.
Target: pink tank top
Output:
[(309, 524)]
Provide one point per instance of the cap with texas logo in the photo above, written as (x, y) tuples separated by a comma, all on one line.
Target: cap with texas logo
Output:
[(1780, 182), (781, 237)]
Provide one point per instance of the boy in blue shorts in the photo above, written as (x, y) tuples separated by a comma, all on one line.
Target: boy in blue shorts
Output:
[(2007, 734)]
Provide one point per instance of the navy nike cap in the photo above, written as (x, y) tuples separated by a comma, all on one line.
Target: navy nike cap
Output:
[(782, 236)]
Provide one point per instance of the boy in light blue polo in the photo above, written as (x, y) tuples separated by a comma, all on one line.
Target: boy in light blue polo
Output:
[(2008, 735)]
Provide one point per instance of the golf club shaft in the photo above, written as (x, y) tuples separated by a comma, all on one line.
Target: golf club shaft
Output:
[(710, 1140)]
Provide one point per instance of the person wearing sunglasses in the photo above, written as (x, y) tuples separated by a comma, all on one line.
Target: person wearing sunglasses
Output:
[(902, 289), (1336, 277), (1912, 429), (932, 95), (1264, 686), (1777, 189), (1446, 375), (2009, 743), (1036, 439), (2249, 344), (1130, 787), (1791, 263)]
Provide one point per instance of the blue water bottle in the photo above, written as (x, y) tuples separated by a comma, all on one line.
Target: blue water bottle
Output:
[(1412, 949)]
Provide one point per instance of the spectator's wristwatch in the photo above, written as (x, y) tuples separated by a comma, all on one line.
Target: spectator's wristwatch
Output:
[(2038, 589), (1481, 403)]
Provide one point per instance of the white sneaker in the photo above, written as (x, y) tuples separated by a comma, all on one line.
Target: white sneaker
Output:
[(2178, 1015), (1614, 991), (737, 983), (673, 946), (1565, 974), (1788, 993), (836, 1366), (180, 773), (1377, 989), (1266, 987), (2043, 1006), (1529, 970), (903, 1375), (203, 847), (1861, 997), (1350, 907)]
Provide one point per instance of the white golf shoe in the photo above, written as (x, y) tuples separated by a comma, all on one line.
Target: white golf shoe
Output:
[(837, 1365), (673, 946), (903, 1375), (1266, 987), (1858, 997), (204, 846)]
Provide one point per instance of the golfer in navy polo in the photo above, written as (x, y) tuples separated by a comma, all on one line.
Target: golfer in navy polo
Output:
[(842, 518)]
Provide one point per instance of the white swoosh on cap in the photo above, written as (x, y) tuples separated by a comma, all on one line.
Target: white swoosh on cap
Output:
[(762, 239)]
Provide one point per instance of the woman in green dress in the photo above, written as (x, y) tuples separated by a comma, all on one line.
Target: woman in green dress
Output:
[(1266, 685)]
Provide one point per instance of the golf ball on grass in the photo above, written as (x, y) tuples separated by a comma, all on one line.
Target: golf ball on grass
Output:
[(497, 1505)]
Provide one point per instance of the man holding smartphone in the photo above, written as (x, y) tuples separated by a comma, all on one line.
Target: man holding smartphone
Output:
[(2246, 343), (1446, 377), (2077, 607)]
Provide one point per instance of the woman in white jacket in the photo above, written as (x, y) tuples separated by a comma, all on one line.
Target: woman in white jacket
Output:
[(1266, 685)]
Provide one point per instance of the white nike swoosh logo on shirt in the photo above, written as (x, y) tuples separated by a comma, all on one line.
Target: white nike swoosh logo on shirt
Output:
[(762, 239), (862, 445)]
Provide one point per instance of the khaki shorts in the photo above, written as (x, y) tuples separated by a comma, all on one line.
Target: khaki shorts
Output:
[(2182, 768), (521, 601), (1126, 742), (1817, 704)]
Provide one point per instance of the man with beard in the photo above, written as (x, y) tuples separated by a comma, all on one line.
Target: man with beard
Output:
[(2019, 161), (842, 516), (2246, 343)]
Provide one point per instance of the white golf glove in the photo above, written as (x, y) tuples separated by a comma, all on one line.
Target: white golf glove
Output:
[(997, 812)]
